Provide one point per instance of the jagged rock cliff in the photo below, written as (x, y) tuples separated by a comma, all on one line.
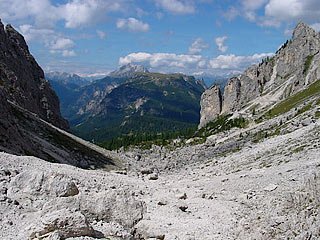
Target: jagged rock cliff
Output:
[(210, 105), (293, 67), (30, 119), (22, 79)]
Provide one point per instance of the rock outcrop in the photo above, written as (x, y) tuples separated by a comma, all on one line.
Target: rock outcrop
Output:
[(211, 105), (30, 119), (22, 80), (293, 67)]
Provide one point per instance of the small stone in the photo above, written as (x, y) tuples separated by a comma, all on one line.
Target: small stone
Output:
[(271, 187), (146, 171), (162, 203), (183, 208), (153, 176), (183, 196)]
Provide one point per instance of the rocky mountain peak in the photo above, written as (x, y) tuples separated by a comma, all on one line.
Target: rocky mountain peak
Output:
[(302, 30), (127, 70), (16, 37)]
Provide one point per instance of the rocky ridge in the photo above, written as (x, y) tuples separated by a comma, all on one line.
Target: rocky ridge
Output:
[(127, 70), (66, 78), (30, 119), (294, 67), (22, 79)]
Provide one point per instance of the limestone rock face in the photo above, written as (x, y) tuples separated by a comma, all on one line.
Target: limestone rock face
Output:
[(231, 95), (211, 104), (30, 119), (22, 79), (293, 67)]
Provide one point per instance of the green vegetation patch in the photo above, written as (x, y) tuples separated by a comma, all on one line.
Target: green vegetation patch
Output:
[(308, 63), (222, 123), (294, 101), (145, 140)]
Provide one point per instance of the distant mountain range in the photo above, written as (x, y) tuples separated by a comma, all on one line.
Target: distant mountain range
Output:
[(66, 78), (130, 99)]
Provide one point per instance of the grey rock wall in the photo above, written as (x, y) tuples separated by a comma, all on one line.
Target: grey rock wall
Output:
[(293, 67)]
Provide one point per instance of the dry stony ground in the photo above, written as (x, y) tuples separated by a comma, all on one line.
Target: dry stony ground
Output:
[(268, 190)]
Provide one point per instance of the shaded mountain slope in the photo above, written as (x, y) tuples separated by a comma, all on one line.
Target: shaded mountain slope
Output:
[(30, 119)]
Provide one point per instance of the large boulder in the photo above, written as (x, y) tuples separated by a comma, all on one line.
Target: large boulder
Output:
[(42, 184)]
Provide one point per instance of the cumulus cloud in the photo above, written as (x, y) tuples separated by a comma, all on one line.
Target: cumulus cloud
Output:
[(69, 53), (160, 60), (233, 62), (288, 11), (197, 46), (55, 42), (132, 25), (176, 6), (74, 13), (62, 43), (101, 34), (169, 62), (220, 43), (42, 35), (275, 12)]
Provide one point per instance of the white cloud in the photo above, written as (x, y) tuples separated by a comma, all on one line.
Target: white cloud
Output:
[(132, 25), (42, 35), (316, 26), (231, 14), (284, 10), (69, 53), (233, 62), (62, 43), (220, 43), (176, 6), (75, 13), (101, 34), (197, 46), (288, 11), (253, 4), (188, 64), (163, 61), (276, 12)]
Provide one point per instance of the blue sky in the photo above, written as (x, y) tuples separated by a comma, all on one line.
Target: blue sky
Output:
[(91, 37)]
